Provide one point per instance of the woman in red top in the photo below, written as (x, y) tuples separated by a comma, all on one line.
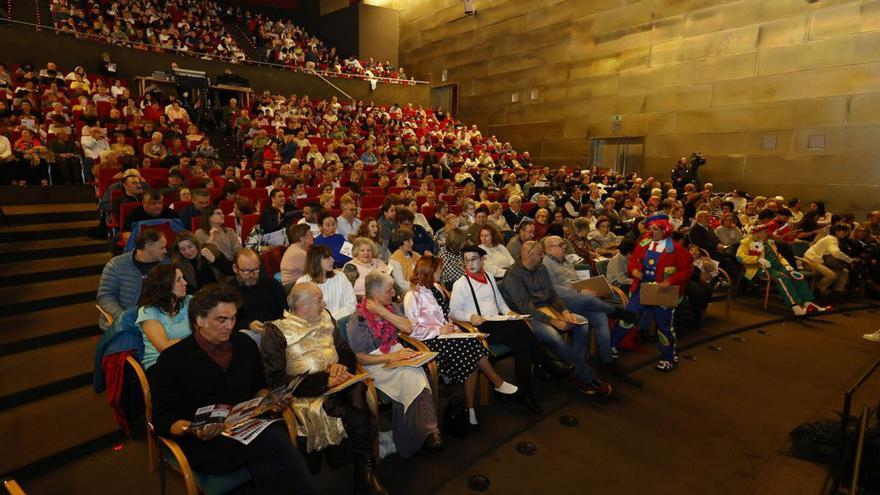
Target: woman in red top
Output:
[(31, 167), (542, 222)]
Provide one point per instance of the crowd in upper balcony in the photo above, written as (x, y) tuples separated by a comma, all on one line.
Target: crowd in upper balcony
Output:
[(178, 26), (283, 42), (198, 28)]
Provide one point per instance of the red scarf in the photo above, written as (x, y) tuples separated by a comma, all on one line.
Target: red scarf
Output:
[(479, 277), (382, 329)]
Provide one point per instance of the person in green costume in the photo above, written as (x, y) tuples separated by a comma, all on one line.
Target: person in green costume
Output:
[(757, 253)]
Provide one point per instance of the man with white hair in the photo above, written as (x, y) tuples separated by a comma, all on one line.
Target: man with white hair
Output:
[(514, 214), (596, 311), (306, 341)]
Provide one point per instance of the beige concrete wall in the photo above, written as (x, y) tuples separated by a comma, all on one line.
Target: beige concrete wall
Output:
[(378, 33), (328, 6), (690, 75)]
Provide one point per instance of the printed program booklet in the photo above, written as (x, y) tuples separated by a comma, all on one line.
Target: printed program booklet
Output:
[(242, 422), (462, 335)]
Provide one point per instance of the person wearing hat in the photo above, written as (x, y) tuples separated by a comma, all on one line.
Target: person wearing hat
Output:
[(657, 258), (758, 252), (475, 299)]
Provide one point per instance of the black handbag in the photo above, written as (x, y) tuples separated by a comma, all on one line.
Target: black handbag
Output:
[(456, 422)]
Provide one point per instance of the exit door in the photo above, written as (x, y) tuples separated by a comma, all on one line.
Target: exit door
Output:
[(624, 155)]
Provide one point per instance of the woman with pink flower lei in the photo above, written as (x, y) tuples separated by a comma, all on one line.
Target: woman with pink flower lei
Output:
[(372, 334)]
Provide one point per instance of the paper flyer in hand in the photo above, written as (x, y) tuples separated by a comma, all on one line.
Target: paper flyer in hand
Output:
[(505, 317), (345, 250), (418, 360), (462, 335)]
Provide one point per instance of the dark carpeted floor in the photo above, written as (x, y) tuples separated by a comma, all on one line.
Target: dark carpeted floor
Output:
[(718, 424)]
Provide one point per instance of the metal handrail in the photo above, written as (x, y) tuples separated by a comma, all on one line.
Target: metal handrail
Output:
[(215, 57), (860, 450)]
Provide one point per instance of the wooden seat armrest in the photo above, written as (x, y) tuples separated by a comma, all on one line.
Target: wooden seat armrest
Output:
[(183, 464), (621, 294), (372, 395), (471, 328), (466, 326), (290, 423), (12, 487), (105, 314), (413, 343), (551, 313)]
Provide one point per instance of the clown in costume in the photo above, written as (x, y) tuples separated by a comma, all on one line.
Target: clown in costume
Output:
[(757, 252), (659, 259)]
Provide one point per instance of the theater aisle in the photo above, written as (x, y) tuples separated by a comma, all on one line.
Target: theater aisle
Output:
[(49, 274), (717, 425)]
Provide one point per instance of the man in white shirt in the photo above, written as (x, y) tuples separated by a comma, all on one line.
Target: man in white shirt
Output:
[(93, 145), (831, 263), (347, 223), (477, 300), (310, 218)]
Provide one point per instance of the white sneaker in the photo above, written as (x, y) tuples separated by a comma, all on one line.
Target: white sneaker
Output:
[(798, 310), (873, 337)]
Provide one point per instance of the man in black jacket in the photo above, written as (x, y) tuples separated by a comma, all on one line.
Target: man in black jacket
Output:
[(151, 209), (514, 213), (703, 236), (263, 297), (216, 365)]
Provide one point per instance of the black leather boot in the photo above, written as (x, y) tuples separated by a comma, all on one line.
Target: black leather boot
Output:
[(366, 482)]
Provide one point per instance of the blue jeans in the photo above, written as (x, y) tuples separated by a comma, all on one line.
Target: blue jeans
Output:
[(596, 311), (576, 353)]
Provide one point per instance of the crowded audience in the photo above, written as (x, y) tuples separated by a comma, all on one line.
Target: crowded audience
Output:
[(400, 229), (199, 28), (175, 26)]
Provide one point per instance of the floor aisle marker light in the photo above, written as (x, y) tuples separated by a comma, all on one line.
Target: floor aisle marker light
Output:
[(569, 421), (526, 448), (741, 340), (764, 332), (478, 483), (716, 348), (689, 357)]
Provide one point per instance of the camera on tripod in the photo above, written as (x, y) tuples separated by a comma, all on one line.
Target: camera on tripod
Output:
[(697, 159)]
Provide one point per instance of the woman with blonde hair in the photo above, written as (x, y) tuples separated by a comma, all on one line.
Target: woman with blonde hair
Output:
[(363, 262), (496, 217), (370, 229)]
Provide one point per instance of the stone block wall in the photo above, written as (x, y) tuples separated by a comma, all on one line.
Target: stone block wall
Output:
[(716, 76)]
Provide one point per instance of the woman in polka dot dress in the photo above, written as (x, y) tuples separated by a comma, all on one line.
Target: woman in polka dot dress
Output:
[(426, 306)]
